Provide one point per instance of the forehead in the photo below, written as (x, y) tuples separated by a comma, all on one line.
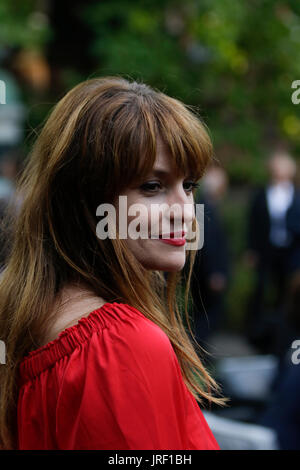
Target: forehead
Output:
[(163, 158), (164, 162)]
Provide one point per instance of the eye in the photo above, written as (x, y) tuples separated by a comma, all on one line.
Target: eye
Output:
[(151, 187), (155, 186), (190, 185)]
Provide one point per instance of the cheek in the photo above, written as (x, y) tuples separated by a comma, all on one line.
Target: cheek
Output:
[(139, 223)]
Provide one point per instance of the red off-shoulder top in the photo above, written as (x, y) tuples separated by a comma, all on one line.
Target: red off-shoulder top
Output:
[(112, 381)]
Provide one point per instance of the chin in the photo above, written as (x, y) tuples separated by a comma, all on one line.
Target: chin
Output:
[(172, 269), (168, 266)]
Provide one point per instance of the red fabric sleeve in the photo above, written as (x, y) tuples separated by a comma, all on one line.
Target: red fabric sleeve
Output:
[(120, 388)]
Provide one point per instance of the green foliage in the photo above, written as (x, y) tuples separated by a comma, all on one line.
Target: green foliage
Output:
[(130, 39), (236, 60), (22, 25)]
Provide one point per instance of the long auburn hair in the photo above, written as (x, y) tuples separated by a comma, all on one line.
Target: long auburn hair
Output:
[(98, 139)]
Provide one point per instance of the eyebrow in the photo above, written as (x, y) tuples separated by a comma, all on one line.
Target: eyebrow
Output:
[(160, 171)]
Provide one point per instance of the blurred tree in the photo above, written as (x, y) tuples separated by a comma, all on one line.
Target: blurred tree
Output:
[(68, 49), (236, 59), (24, 34), (23, 24)]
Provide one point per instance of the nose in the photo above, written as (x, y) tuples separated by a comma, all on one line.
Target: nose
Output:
[(181, 211)]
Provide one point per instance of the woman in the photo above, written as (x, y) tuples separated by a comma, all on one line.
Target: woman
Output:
[(97, 353)]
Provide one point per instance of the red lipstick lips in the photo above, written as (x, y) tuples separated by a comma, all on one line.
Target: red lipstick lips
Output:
[(176, 239)]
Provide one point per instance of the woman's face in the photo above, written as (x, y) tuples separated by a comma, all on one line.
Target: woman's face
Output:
[(163, 244)]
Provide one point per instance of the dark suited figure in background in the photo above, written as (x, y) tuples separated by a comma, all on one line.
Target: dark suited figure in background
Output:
[(210, 273), (270, 248), (282, 412)]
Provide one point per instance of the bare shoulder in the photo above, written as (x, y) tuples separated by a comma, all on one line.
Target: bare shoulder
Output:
[(71, 305)]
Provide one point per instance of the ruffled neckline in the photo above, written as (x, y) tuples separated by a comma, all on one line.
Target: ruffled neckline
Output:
[(68, 339)]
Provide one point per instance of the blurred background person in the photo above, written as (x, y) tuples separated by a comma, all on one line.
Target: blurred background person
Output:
[(10, 166), (270, 249), (12, 112), (211, 270), (12, 132), (282, 412)]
